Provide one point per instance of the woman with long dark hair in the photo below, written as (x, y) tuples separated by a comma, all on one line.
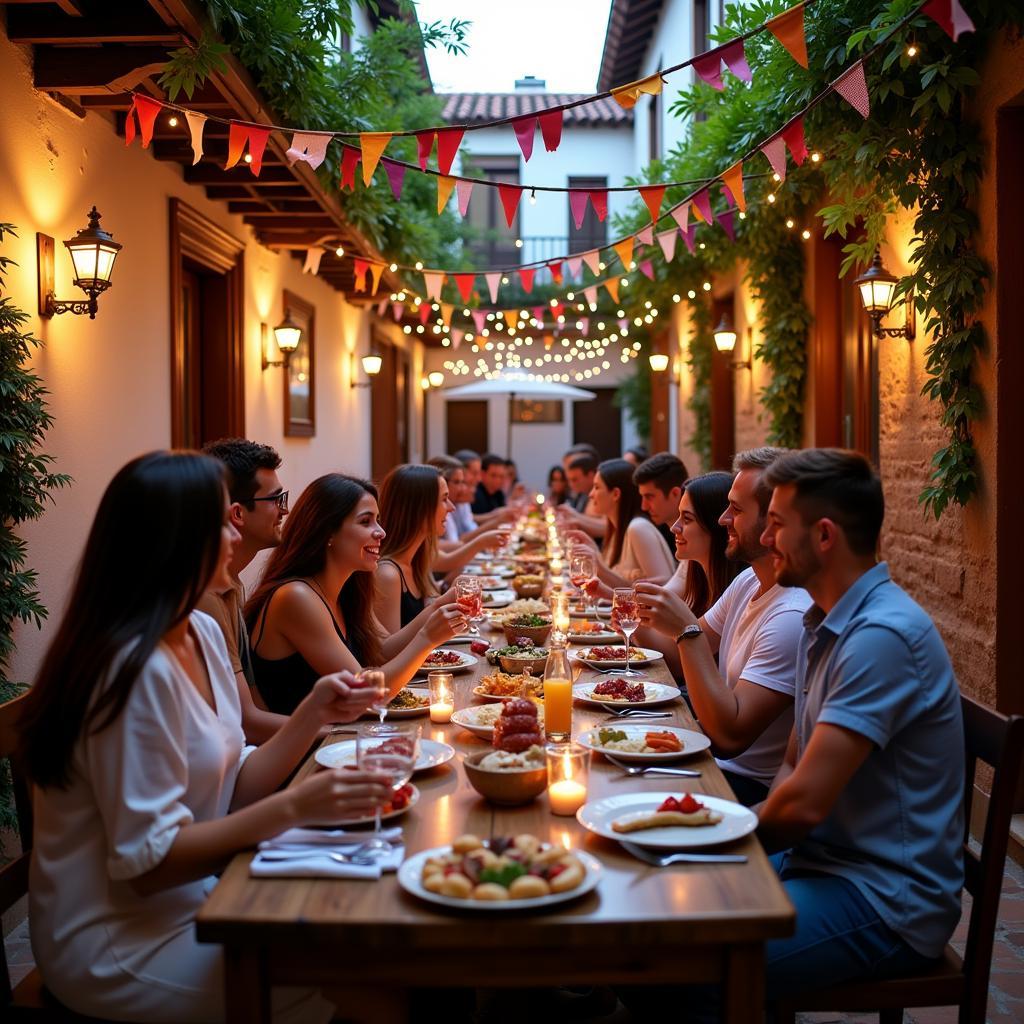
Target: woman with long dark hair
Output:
[(312, 612), (144, 787), (558, 486)]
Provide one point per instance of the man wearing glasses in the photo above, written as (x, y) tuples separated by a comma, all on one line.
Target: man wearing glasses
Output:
[(258, 506)]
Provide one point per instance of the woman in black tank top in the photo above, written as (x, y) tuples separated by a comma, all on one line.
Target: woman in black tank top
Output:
[(312, 612)]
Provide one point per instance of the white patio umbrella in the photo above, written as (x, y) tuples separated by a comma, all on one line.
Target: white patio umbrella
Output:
[(517, 385)]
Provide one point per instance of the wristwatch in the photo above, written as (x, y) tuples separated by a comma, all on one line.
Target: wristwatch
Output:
[(690, 632)]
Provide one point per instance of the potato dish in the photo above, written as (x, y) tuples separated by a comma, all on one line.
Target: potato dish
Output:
[(501, 684), (506, 761), (524, 606)]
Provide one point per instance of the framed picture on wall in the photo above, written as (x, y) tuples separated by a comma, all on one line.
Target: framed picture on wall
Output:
[(300, 373), (531, 410)]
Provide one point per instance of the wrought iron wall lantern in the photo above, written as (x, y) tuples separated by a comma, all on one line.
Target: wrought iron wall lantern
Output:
[(725, 341), (93, 252), (371, 367), (877, 288), (287, 335)]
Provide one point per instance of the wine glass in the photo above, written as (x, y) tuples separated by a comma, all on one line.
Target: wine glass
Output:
[(373, 679), (469, 599), (389, 750), (581, 571), (625, 618)]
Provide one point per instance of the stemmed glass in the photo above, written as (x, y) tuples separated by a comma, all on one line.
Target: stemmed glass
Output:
[(469, 599), (581, 571), (373, 679), (389, 750), (625, 618)]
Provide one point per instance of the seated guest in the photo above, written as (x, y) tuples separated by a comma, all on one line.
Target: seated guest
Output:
[(636, 455), (258, 506), (558, 486), (746, 708), (514, 488), (144, 786), (454, 474), (868, 804), (463, 517), (313, 610), (659, 480), (490, 491), (580, 473)]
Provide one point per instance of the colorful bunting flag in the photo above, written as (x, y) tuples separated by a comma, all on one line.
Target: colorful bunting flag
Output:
[(510, 196), (196, 124), (349, 162), (593, 261), (950, 16), (376, 269), (457, 335), (788, 28), (612, 287), (627, 95), (599, 201), (424, 312), (446, 313), (463, 190), (493, 280), (584, 322), (690, 237), (647, 269), (590, 294), (667, 241), (652, 196), (396, 176), (702, 206), (238, 136), (372, 145), (853, 87), (646, 235), (775, 150), (732, 179), (555, 266), (398, 311), (359, 269), (794, 137), (709, 67), (480, 319), (464, 282), (736, 60), (575, 264), (510, 317), (146, 110), (310, 147), (525, 128), (726, 220), (526, 276), (313, 258), (624, 250), (448, 142), (681, 215), (551, 129), (445, 187), (382, 305), (433, 282), (424, 145), (578, 207)]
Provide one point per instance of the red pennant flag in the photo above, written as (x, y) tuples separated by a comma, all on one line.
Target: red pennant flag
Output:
[(525, 129), (464, 282), (652, 196), (238, 135), (578, 207), (425, 312), (853, 87), (146, 110), (349, 163), (555, 266), (448, 142), (788, 28), (599, 201), (736, 60), (950, 16), (794, 136), (360, 268), (424, 144), (709, 67), (510, 196), (526, 276), (775, 150), (551, 129)]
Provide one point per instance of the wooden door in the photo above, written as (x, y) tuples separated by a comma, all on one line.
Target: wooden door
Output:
[(466, 426), (598, 422)]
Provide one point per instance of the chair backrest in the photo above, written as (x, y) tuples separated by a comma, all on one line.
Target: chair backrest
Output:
[(14, 875), (998, 741)]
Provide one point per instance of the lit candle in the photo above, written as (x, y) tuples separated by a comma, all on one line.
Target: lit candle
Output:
[(567, 774), (560, 612), (566, 797), (442, 697), (556, 566), (540, 499)]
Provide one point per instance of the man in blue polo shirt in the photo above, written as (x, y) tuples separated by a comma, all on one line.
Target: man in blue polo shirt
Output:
[(868, 805)]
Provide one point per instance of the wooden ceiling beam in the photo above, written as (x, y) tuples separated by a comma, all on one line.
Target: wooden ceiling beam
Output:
[(89, 70), (204, 173), (273, 205), (288, 222), (39, 23)]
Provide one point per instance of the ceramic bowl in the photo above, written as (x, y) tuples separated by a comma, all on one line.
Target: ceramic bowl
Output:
[(508, 788), (538, 634)]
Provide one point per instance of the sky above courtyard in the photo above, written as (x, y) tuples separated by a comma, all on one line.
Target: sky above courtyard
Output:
[(557, 40)]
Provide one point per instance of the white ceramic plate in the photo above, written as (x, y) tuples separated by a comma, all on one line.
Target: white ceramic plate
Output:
[(657, 693), (414, 799), (597, 817), (433, 753), (498, 598), (466, 662), (593, 639), (598, 611), (466, 718), (649, 656), (410, 872), (693, 742), (485, 568), (483, 695), (464, 638)]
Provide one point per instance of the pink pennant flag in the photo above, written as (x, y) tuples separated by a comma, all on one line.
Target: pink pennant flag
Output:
[(681, 215), (398, 311), (493, 280), (396, 176), (709, 67), (424, 145), (736, 60), (599, 200), (196, 124), (794, 137), (702, 204), (464, 282), (313, 258), (538, 313), (146, 110), (575, 264), (578, 207), (525, 128), (382, 305), (457, 335), (623, 324), (667, 241), (551, 129), (853, 87), (950, 16), (590, 294), (593, 260), (448, 142), (463, 190), (646, 235), (359, 269), (584, 322), (510, 196), (690, 237), (652, 196), (726, 220), (480, 319), (526, 276), (309, 147), (349, 163), (433, 281), (775, 150), (646, 269)]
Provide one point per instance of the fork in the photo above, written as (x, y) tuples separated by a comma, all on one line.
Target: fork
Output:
[(637, 713), (662, 860), (645, 769), (361, 859)]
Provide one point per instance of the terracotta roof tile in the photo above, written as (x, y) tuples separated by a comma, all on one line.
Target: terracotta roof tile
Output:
[(475, 107)]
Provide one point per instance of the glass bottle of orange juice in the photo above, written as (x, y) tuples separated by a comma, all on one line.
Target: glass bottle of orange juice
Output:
[(558, 696)]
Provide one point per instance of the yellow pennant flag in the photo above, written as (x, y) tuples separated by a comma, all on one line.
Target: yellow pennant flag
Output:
[(612, 284), (376, 269), (445, 185), (627, 95), (625, 251), (372, 144), (733, 181)]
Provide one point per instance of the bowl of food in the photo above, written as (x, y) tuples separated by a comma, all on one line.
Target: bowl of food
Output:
[(535, 628), (528, 585), (518, 658), (508, 778)]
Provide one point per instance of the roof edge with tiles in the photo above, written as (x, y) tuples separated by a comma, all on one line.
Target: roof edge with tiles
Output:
[(480, 107)]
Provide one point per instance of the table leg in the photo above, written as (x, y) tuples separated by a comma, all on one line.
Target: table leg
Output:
[(743, 985), (246, 992)]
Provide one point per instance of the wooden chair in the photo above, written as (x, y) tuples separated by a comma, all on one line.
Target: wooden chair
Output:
[(29, 1002), (997, 740)]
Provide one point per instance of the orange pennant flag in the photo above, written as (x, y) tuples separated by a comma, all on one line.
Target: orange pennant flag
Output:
[(372, 145), (238, 136), (627, 95), (445, 185), (625, 251), (446, 313), (788, 28), (733, 181), (511, 317), (376, 269), (652, 196), (612, 284)]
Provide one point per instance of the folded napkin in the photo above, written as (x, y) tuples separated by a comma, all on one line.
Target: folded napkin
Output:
[(319, 865), (326, 837)]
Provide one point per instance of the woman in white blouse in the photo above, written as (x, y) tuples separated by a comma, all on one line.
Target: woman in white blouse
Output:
[(144, 787)]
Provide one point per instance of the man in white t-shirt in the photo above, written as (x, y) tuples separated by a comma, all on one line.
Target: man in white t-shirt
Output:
[(745, 702)]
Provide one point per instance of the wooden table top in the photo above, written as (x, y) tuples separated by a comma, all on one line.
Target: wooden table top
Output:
[(679, 906)]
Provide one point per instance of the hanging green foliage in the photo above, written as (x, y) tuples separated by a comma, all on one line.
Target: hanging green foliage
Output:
[(698, 362)]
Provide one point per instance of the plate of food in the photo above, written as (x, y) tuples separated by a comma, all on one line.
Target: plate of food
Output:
[(447, 660), (479, 719), (499, 874), (591, 631), (498, 569), (498, 598), (499, 686), (402, 799), (432, 754), (607, 656), (407, 703), (602, 610), (624, 692), (668, 821), (645, 745)]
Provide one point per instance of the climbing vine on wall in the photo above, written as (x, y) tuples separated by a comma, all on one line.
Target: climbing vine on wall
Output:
[(698, 362)]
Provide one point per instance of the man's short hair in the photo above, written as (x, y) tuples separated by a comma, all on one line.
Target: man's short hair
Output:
[(585, 448), (760, 459), (447, 464), (637, 451), (836, 484), (242, 459), (490, 459), (586, 464), (466, 456), (664, 470)]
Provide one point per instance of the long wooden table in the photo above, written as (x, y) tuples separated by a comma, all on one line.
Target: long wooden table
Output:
[(642, 925)]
